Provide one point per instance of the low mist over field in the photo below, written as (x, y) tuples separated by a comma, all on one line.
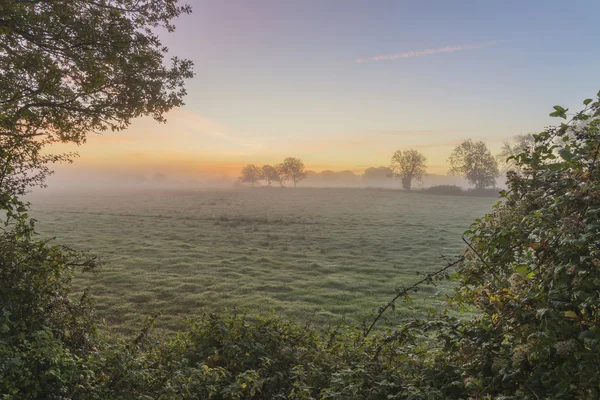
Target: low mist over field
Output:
[(73, 178)]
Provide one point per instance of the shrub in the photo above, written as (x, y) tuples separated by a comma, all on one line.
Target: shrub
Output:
[(450, 190)]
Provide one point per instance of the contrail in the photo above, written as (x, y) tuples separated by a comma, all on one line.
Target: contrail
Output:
[(427, 52)]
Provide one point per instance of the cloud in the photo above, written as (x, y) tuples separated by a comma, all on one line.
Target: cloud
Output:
[(428, 52)]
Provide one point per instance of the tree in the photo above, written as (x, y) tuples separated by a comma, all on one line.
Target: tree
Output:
[(67, 68), (250, 174), (510, 149), (408, 165), (269, 174), (293, 169), (280, 175), (377, 174), (475, 162), (71, 67), (328, 175)]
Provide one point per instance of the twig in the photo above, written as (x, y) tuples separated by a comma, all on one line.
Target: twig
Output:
[(404, 292), (474, 251)]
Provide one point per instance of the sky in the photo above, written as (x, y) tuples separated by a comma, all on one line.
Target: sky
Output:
[(342, 84)]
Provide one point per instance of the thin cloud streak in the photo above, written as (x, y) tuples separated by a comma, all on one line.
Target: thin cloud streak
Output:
[(428, 52)]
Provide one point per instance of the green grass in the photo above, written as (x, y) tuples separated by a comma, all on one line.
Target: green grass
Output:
[(318, 255)]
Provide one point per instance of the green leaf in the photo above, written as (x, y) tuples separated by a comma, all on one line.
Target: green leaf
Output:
[(566, 154), (587, 101), (559, 112), (555, 166), (523, 269)]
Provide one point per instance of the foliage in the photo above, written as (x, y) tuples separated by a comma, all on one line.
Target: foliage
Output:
[(269, 174), (533, 271), (475, 162), (72, 67), (408, 165), (292, 169), (250, 174)]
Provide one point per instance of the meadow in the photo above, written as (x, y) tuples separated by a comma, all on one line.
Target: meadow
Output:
[(319, 256)]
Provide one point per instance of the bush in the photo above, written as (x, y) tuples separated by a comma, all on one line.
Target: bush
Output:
[(450, 190)]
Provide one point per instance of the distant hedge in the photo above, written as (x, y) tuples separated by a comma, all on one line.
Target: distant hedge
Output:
[(450, 190), (453, 190)]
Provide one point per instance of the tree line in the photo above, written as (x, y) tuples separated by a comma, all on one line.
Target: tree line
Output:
[(472, 160), (291, 169)]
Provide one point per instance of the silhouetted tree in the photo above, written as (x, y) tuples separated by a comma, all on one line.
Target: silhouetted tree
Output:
[(475, 162), (328, 175), (377, 174), (269, 174), (293, 169), (408, 165), (68, 68), (250, 174), (519, 144), (280, 175), (347, 176)]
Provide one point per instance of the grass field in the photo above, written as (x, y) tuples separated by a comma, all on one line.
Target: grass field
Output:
[(319, 255)]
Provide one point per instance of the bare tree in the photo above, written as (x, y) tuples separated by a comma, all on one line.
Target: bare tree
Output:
[(293, 169), (408, 165), (250, 174), (475, 162)]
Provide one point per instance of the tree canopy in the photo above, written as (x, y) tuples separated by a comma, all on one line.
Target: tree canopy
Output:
[(408, 165), (475, 162), (293, 169), (72, 67), (269, 174), (251, 174)]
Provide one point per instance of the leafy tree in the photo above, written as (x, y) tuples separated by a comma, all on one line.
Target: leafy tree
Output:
[(269, 174), (474, 161), (519, 144), (293, 169), (408, 165), (67, 68), (250, 174), (70, 67)]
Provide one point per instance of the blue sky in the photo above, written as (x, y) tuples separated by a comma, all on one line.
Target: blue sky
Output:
[(276, 78)]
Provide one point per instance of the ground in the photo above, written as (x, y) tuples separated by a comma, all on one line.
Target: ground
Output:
[(314, 255)]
